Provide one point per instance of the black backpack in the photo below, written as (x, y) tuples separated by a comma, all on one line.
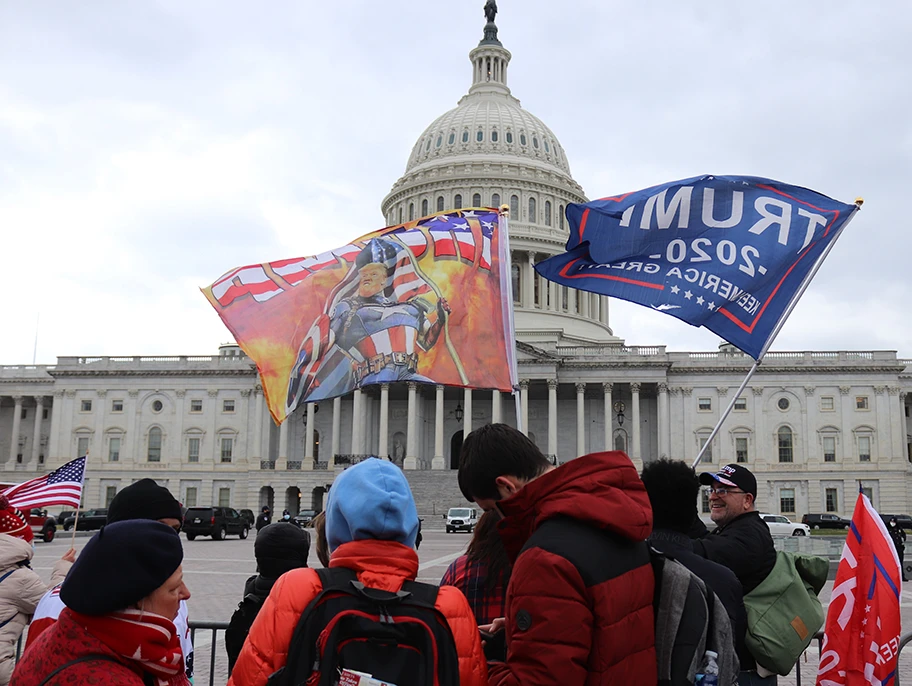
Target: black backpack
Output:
[(239, 626), (398, 637), (689, 620)]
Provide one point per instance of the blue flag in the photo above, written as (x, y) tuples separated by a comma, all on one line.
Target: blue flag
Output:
[(725, 252)]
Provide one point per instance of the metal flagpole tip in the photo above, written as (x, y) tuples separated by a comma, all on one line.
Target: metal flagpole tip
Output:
[(859, 201)]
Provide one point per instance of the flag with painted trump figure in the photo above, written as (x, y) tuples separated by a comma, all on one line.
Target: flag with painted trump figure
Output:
[(725, 252), (861, 636), (426, 302)]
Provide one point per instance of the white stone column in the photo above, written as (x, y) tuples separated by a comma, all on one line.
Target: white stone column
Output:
[(467, 416), (336, 431), (664, 448), (607, 388), (52, 458), (524, 401), (496, 408), (528, 299), (603, 310), (14, 437), (438, 462), (584, 304), (282, 457), (257, 419), (554, 296), (542, 292), (897, 424), (36, 440), (580, 419), (594, 309), (309, 438), (357, 422), (383, 449), (635, 421), (411, 460), (552, 417)]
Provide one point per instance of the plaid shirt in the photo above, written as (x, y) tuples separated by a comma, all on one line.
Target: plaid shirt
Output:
[(469, 577)]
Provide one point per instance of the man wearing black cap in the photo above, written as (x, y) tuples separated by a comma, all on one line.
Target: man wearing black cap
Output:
[(742, 541)]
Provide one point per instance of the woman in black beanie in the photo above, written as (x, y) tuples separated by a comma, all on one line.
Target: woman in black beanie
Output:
[(122, 596)]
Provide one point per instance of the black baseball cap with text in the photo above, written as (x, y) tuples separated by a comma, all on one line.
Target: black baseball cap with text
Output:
[(733, 475)]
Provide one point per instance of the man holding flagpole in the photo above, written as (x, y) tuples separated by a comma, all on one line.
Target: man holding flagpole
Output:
[(861, 637)]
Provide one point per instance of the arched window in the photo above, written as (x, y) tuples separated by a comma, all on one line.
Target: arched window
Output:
[(532, 216), (479, 136), (535, 142), (476, 200), (509, 136), (411, 211), (424, 208), (154, 452), (514, 207), (427, 145), (495, 200), (547, 213), (439, 141), (547, 147), (620, 440), (440, 203), (457, 201), (493, 136), (465, 136), (451, 139), (560, 212), (786, 445), (522, 139), (514, 275)]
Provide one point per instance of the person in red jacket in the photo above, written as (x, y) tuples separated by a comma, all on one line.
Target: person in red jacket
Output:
[(371, 527), (579, 603)]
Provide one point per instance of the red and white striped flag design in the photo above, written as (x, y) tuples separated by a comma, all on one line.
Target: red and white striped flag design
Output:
[(63, 486)]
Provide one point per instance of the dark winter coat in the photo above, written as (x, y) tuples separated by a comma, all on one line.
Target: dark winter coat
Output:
[(579, 603), (744, 545)]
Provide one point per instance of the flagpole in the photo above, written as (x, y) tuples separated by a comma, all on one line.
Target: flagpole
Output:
[(81, 486), (505, 262), (785, 315)]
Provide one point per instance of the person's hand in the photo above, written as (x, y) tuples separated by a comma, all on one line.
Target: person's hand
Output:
[(443, 306), (69, 555), (495, 626)]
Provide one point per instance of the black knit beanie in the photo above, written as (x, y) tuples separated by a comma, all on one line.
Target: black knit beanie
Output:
[(279, 548), (121, 565), (144, 500)]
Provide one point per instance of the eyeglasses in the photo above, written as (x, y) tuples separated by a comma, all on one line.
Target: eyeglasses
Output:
[(722, 492)]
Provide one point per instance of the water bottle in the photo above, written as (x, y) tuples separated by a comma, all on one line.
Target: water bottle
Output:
[(709, 673)]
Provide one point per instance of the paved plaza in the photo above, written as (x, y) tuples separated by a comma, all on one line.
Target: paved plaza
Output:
[(215, 572)]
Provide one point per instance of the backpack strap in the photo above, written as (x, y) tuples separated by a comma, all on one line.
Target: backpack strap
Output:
[(421, 593), (337, 578), (84, 658), (3, 578)]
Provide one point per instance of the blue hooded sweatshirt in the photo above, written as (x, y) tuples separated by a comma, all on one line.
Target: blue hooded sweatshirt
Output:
[(371, 501)]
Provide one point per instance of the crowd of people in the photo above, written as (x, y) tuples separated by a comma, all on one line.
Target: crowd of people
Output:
[(558, 584)]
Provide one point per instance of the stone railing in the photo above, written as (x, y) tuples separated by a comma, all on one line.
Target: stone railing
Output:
[(623, 351), (110, 363), (26, 371), (293, 465), (320, 466), (267, 464), (790, 358)]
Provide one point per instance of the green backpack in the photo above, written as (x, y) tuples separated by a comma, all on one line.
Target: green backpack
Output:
[(784, 612)]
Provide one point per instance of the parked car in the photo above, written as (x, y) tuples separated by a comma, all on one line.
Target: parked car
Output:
[(89, 520), (64, 514), (460, 519), (904, 520), (304, 518), (249, 516), (43, 525), (825, 521), (783, 526), (217, 522)]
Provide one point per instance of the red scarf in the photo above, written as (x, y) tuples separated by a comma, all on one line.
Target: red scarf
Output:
[(146, 639)]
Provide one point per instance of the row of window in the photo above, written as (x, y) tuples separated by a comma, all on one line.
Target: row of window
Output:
[(117, 406), (191, 496), (785, 447), (532, 215), (494, 136), (787, 499), (827, 404), (25, 413)]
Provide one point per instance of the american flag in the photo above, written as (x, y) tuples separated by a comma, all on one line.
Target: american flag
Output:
[(61, 487)]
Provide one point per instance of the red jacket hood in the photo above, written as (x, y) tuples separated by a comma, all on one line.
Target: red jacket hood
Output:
[(602, 489), (379, 564)]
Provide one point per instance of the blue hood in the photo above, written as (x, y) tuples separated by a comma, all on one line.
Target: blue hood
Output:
[(371, 501)]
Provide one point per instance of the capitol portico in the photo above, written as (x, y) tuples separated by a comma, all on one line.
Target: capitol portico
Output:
[(811, 424)]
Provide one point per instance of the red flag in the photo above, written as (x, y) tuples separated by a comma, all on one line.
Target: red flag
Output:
[(861, 641)]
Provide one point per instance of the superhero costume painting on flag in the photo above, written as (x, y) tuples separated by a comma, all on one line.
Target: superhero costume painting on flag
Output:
[(381, 319), (427, 301)]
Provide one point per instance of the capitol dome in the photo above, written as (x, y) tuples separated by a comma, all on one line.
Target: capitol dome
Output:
[(486, 152)]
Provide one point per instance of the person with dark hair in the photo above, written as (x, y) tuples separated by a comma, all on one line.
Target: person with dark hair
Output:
[(483, 572), (278, 548), (264, 518), (579, 601), (117, 629), (143, 499), (319, 527), (673, 489), (898, 537)]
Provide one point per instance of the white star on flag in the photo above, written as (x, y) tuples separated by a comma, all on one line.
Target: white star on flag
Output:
[(470, 213), (461, 226), (675, 290), (688, 295), (488, 225), (711, 306), (700, 300)]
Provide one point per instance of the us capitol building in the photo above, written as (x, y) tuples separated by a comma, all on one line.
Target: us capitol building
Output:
[(811, 425)]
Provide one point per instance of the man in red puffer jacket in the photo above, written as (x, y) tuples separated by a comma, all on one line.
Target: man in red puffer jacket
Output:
[(579, 603)]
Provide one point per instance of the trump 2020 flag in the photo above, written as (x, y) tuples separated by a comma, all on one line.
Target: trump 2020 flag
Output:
[(725, 252), (421, 302), (861, 639)]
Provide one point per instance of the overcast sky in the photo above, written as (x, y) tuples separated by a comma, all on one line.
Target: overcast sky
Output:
[(146, 148)]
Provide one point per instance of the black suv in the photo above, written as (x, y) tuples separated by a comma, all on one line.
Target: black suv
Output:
[(825, 521), (89, 520), (217, 522), (903, 520)]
